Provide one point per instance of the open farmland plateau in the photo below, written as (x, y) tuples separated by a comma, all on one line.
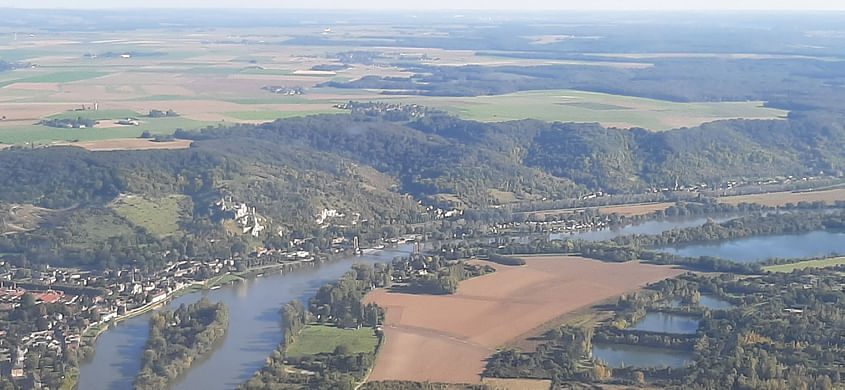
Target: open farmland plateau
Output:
[(211, 78)]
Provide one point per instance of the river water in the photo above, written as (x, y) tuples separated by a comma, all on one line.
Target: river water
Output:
[(759, 248), (254, 328), (254, 317)]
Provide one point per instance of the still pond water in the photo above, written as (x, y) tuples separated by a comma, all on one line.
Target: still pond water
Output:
[(667, 323), (617, 355)]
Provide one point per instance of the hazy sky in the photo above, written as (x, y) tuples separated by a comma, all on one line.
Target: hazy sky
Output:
[(446, 4)]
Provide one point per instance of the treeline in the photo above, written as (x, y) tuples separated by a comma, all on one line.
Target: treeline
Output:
[(506, 260), (177, 338), (753, 225), (78, 123)]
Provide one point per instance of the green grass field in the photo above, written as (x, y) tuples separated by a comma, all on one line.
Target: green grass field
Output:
[(822, 263), (316, 339), (97, 115), (58, 77), (581, 106), (159, 216), (46, 134)]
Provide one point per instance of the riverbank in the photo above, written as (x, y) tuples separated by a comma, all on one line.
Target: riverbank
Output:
[(254, 318)]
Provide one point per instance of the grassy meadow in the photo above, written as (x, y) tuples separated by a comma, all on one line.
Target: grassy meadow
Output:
[(316, 339), (159, 216), (821, 263)]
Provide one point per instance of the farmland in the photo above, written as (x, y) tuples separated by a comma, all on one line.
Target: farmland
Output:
[(448, 338), (609, 110), (209, 82), (517, 384), (131, 144), (821, 263), (782, 198)]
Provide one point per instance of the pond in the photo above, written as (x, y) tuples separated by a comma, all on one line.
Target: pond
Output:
[(666, 323), (621, 355)]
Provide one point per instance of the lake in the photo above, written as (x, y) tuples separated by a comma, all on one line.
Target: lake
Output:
[(254, 328), (666, 323), (620, 355), (760, 248)]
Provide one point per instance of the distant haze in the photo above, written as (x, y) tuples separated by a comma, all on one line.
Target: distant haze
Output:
[(446, 4)]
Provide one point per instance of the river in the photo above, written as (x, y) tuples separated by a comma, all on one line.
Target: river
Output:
[(759, 248), (254, 328)]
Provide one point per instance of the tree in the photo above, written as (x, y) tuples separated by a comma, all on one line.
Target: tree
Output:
[(28, 300)]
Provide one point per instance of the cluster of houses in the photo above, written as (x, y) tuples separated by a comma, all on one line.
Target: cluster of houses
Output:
[(287, 91), (733, 184), (409, 110), (11, 296)]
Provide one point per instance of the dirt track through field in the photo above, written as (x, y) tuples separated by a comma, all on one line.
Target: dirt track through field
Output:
[(448, 338)]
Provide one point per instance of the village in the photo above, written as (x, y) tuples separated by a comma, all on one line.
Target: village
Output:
[(70, 307)]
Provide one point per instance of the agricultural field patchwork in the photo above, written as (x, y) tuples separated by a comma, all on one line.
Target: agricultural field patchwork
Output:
[(210, 80)]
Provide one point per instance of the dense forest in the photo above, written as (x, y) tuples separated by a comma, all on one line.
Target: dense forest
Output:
[(179, 337), (377, 168)]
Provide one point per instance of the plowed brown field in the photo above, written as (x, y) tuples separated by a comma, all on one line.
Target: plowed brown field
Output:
[(448, 338)]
